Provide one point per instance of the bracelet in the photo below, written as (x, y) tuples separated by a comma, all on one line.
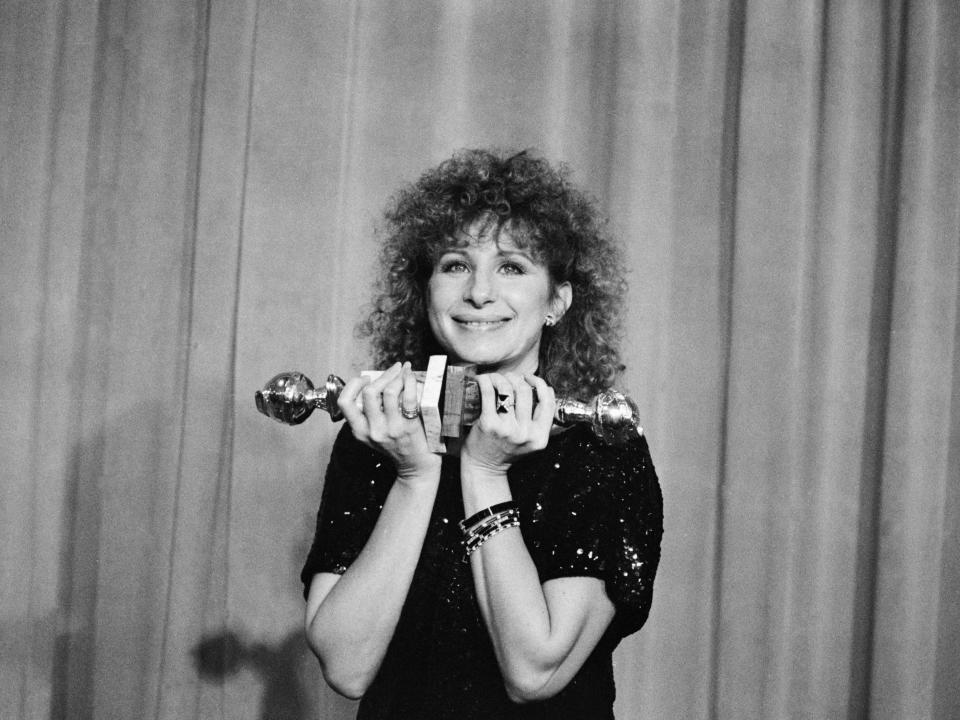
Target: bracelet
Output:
[(467, 525), (491, 522), (473, 544)]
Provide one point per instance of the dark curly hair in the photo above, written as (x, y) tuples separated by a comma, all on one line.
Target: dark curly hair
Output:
[(559, 225)]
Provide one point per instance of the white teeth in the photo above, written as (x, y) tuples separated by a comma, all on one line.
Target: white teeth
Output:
[(479, 323)]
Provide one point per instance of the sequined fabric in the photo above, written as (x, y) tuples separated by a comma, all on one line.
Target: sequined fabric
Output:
[(586, 509)]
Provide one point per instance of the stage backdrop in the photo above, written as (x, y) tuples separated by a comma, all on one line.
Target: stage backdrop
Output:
[(190, 192)]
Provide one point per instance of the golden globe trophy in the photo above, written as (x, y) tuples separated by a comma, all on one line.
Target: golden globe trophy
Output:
[(449, 402)]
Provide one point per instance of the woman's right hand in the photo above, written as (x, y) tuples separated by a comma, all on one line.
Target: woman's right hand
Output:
[(382, 426)]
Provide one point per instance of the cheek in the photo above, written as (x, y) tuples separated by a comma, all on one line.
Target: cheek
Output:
[(443, 294), (433, 298), (536, 303), (437, 302)]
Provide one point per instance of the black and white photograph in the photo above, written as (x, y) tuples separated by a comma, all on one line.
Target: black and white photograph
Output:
[(480, 359)]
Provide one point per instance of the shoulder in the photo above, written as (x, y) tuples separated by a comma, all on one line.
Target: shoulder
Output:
[(580, 475), (604, 489), (588, 458)]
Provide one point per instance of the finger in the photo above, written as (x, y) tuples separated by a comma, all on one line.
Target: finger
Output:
[(488, 399), (373, 399), (376, 386), (409, 402), (387, 376), (546, 401), (391, 398), (523, 397), (505, 400), (347, 402)]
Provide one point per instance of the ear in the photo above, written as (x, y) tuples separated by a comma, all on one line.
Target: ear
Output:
[(562, 297)]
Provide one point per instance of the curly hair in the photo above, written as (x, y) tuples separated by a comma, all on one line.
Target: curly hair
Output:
[(555, 222)]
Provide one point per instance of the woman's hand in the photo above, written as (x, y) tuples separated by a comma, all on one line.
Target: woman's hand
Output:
[(509, 425), (382, 425)]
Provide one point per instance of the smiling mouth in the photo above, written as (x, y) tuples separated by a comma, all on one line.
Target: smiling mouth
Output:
[(480, 324)]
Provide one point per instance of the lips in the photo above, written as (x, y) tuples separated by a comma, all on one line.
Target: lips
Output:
[(477, 324)]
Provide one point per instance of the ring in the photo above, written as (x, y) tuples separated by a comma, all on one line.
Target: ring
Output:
[(504, 403), (408, 414)]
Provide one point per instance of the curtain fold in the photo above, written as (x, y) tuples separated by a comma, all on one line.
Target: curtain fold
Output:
[(189, 198)]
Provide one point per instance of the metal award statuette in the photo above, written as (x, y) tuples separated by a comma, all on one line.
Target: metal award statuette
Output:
[(449, 402)]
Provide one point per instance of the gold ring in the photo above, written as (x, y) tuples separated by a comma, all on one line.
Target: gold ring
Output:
[(409, 414)]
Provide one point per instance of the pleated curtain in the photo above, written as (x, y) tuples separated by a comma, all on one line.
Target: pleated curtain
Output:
[(190, 194)]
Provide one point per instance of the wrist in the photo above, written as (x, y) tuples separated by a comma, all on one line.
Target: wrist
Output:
[(470, 472), (425, 473), (481, 468), (483, 487)]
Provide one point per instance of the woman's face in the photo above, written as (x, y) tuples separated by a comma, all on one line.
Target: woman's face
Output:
[(488, 301)]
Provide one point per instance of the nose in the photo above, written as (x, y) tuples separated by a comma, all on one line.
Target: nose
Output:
[(480, 288)]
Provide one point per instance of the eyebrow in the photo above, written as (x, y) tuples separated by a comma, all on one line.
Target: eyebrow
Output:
[(500, 251)]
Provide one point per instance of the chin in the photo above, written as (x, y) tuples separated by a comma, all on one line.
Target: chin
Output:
[(488, 355), (486, 362)]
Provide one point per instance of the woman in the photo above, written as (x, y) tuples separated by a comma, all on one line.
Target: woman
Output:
[(494, 581)]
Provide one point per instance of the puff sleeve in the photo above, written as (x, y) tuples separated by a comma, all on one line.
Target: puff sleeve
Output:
[(599, 514)]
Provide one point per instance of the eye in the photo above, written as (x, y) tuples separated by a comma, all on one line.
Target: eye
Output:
[(513, 268), (453, 266)]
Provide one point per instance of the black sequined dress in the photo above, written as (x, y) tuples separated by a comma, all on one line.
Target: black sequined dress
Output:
[(586, 509)]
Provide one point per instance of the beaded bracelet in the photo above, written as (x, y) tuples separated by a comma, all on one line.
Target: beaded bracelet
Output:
[(473, 543), (484, 525)]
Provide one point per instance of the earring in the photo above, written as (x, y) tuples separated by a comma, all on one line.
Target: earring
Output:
[(549, 321)]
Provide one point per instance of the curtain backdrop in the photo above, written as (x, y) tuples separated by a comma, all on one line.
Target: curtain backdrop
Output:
[(190, 193)]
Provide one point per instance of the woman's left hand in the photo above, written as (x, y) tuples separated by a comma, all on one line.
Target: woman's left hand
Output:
[(509, 425)]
